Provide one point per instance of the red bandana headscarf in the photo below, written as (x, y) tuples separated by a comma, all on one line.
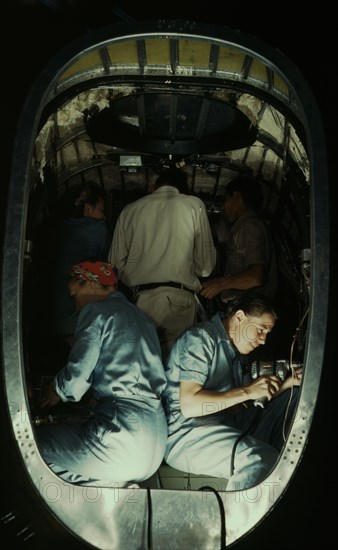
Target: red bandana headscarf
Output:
[(98, 272)]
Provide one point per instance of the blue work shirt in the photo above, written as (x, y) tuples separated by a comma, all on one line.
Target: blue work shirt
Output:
[(205, 355), (116, 354)]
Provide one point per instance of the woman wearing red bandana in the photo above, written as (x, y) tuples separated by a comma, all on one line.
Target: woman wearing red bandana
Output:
[(116, 356)]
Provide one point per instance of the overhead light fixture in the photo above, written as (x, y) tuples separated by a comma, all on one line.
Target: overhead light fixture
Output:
[(130, 163)]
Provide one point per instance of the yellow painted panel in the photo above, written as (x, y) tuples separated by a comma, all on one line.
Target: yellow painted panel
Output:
[(196, 54), (230, 60), (158, 51), (84, 64), (258, 71), (124, 53), (281, 85)]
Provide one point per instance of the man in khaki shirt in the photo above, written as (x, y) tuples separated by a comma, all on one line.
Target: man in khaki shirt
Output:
[(162, 244), (250, 256)]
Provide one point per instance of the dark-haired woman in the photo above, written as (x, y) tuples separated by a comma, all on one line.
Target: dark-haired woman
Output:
[(209, 400)]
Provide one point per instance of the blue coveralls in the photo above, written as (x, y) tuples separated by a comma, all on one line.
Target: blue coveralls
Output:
[(117, 356), (204, 445)]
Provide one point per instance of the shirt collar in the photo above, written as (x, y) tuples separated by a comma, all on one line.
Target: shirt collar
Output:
[(167, 189), (223, 335)]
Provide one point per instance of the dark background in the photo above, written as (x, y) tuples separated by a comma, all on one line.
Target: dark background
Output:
[(36, 30)]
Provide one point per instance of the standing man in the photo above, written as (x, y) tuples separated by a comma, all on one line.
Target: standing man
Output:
[(161, 245), (250, 258)]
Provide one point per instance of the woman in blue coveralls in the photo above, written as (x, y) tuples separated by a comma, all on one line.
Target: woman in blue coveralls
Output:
[(214, 427), (116, 356)]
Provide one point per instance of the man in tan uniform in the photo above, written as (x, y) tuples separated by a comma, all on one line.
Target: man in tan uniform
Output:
[(162, 244)]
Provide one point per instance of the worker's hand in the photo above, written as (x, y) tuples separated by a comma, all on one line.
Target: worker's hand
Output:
[(50, 397), (294, 379), (212, 287), (264, 386)]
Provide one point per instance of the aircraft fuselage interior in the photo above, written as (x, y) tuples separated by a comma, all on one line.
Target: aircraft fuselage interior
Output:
[(115, 109)]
